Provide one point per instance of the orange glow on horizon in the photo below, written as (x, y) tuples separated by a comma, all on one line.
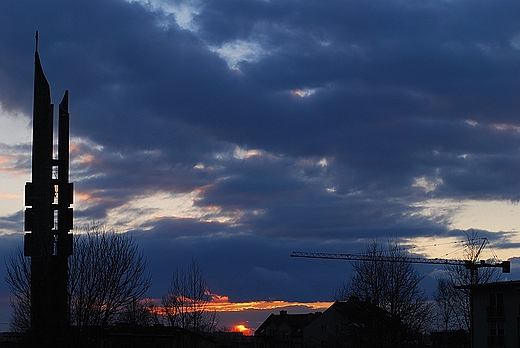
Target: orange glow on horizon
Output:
[(243, 329), (221, 303)]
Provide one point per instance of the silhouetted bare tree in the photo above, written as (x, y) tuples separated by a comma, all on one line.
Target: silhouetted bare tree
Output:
[(186, 302), (446, 305), (142, 312), (106, 273), (393, 286), (18, 277), (458, 300)]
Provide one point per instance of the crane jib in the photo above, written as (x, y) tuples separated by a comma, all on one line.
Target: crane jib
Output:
[(505, 265)]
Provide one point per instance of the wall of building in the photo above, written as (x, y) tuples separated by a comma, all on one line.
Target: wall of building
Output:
[(496, 315)]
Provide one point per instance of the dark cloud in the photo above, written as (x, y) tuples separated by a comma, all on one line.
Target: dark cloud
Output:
[(330, 123), (13, 222)]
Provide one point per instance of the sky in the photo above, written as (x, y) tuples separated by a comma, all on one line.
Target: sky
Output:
[(236, 131)]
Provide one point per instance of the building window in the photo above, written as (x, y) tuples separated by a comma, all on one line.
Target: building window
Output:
[(496, 334), (323, 328), (496, 305)]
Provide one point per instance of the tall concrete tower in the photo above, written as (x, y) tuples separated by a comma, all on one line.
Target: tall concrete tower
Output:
[(48, 216)]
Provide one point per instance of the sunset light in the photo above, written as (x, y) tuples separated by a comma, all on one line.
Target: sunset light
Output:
[(221, 303), (302, 93), (10, 196), (221, 136), (232, 313), (243, 329)]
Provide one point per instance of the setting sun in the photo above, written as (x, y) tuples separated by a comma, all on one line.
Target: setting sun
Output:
[(242, 328)]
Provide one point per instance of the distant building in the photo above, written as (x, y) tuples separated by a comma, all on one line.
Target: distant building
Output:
[(450, 339), (351, 323), (232, 340), (283, 330), (10, 339), (495, 314), (135, 336)]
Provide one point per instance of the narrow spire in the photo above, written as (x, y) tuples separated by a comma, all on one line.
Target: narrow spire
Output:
[(36, 41)]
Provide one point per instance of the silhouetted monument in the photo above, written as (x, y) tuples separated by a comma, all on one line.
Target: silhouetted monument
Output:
[(48, 216)]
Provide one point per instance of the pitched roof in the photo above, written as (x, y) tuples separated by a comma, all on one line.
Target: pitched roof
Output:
[(360, 312), (296, 321)]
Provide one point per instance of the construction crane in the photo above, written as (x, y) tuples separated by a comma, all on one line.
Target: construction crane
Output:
[(472, 265)]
